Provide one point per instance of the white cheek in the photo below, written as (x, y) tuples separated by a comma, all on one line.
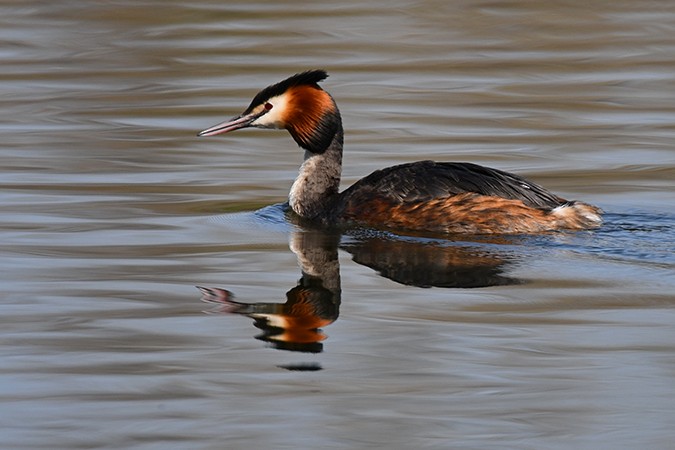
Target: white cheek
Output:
[(273, 118)]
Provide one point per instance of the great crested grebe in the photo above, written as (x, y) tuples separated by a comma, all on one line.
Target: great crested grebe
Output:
[(429, 196)]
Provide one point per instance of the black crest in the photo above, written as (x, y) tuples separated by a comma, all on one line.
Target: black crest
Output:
[(310, 77)]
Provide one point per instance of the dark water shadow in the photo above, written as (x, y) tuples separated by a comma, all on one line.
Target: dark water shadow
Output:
[(425, 262)]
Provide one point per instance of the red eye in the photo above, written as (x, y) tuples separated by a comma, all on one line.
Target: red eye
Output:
[(268, 106)]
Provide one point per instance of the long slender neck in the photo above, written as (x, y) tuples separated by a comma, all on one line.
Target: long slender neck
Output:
[(317, 184)]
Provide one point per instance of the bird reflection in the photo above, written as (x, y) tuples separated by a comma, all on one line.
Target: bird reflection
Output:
[(433, 263), (314, 302)]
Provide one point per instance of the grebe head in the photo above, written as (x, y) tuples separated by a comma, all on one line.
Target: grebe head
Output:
[(297, 104)]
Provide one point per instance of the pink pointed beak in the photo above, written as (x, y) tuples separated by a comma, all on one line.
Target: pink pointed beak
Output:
[(236, 123)]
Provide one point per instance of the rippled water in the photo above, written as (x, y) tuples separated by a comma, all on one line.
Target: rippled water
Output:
[(113, 210)]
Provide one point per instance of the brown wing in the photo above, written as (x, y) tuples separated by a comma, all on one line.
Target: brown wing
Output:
[(428, 180)]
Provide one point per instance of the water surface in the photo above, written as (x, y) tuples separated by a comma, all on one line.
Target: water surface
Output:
[(113, 211)]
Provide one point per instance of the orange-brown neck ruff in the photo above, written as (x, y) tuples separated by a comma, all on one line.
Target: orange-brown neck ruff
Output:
[(311, 117)]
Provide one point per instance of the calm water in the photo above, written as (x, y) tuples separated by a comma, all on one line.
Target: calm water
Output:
[(112, 211)]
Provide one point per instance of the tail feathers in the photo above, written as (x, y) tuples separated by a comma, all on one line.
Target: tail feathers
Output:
[(576, 215)]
